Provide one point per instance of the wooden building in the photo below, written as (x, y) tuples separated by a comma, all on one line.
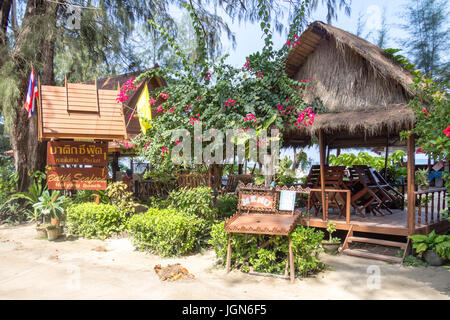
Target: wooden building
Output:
[(364, 98)]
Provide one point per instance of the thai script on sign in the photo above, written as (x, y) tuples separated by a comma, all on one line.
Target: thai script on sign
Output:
[(69, 152)]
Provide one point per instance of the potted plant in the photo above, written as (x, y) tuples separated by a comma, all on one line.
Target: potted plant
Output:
[(52, 232), (332, 245), (421, 179), (51, 204), (434, 248)]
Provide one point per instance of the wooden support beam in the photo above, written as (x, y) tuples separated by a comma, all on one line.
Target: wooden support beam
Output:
[(322, 172), (291, 261), (411, 209), (229, 253)]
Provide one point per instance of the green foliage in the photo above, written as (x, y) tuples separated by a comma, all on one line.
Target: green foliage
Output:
[(331, 228), (201, 89), (411, 261), (364, 158), (226, 205), (196, 201), (119, 196), (22, 202), (167, 232), (432, 241), (92, 220), (421, 178), (51, 204), (269, 253), (83, 196)]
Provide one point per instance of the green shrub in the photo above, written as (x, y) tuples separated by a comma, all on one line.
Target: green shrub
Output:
[(119, 195), (269, 253), (92, 220), (167, 232), (197, 201), (226, 205)]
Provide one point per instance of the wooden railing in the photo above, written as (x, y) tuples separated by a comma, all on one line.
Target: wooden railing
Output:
[(430, 202), (149, 188)]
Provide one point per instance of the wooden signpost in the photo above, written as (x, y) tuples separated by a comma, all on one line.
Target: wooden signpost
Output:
[(77, 178), (76, 154), (82, 153)]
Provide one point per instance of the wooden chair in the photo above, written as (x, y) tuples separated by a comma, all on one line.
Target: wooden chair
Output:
[(385, 196), (365, 195), (258, 213), (396, 195), (234, 180), (312, 182)]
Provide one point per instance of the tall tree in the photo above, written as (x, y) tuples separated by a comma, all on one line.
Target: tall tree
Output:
[(46, 35), (427, 34), (382, 33)]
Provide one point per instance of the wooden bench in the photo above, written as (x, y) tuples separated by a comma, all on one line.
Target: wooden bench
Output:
[(265, 210)]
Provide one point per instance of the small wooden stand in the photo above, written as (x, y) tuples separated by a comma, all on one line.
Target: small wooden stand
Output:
[(258, 214)]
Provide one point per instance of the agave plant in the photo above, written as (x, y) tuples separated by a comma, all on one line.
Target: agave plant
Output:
[(51, 204)]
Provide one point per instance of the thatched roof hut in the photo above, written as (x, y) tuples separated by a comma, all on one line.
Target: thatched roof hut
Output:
[(364, 93)]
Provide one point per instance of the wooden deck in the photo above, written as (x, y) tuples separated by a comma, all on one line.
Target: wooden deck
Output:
[(392, 224)]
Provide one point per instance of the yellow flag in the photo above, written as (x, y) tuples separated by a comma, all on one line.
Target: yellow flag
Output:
[(144, 110)]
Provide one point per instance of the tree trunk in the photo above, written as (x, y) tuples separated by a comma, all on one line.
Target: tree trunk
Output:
[(29, 153), (5, 8)]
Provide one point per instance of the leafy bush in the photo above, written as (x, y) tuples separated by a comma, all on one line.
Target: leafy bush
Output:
[(197, 201), (432, 241), (269, 253), (167, 232), (92, 220), (121, 197), (226, 205)]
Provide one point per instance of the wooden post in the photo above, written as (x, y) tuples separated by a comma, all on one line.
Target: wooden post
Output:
[(347, 206), (294, 162), (411, 209), (386, 155), (229, 253), (322, 173), (291, 261)]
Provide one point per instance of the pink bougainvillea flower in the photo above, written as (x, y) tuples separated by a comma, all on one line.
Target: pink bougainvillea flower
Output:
[(146, 145), (230, 103), (447, 131), (250, 117), (177, 142), (279, 106), (419, 150), (172, 110), (426, 112), (164, 150), (188, 107), (199, 98), (160, 109), (151, 101), (165, 95)]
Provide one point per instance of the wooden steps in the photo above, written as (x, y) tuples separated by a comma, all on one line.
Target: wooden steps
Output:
[(370, 255), (400, 245)]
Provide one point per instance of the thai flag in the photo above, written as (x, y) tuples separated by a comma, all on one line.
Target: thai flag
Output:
[(31, 94)]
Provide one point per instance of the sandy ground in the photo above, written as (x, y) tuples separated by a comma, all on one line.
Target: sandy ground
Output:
[(32, 268)]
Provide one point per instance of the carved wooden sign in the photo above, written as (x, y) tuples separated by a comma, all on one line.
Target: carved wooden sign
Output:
[(71, 152), (77, 178), (257, 201)]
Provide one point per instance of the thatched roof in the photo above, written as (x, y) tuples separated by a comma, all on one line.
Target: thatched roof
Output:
[(362, 90)]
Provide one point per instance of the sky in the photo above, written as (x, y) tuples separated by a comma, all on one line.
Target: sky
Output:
[(249, 36)]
